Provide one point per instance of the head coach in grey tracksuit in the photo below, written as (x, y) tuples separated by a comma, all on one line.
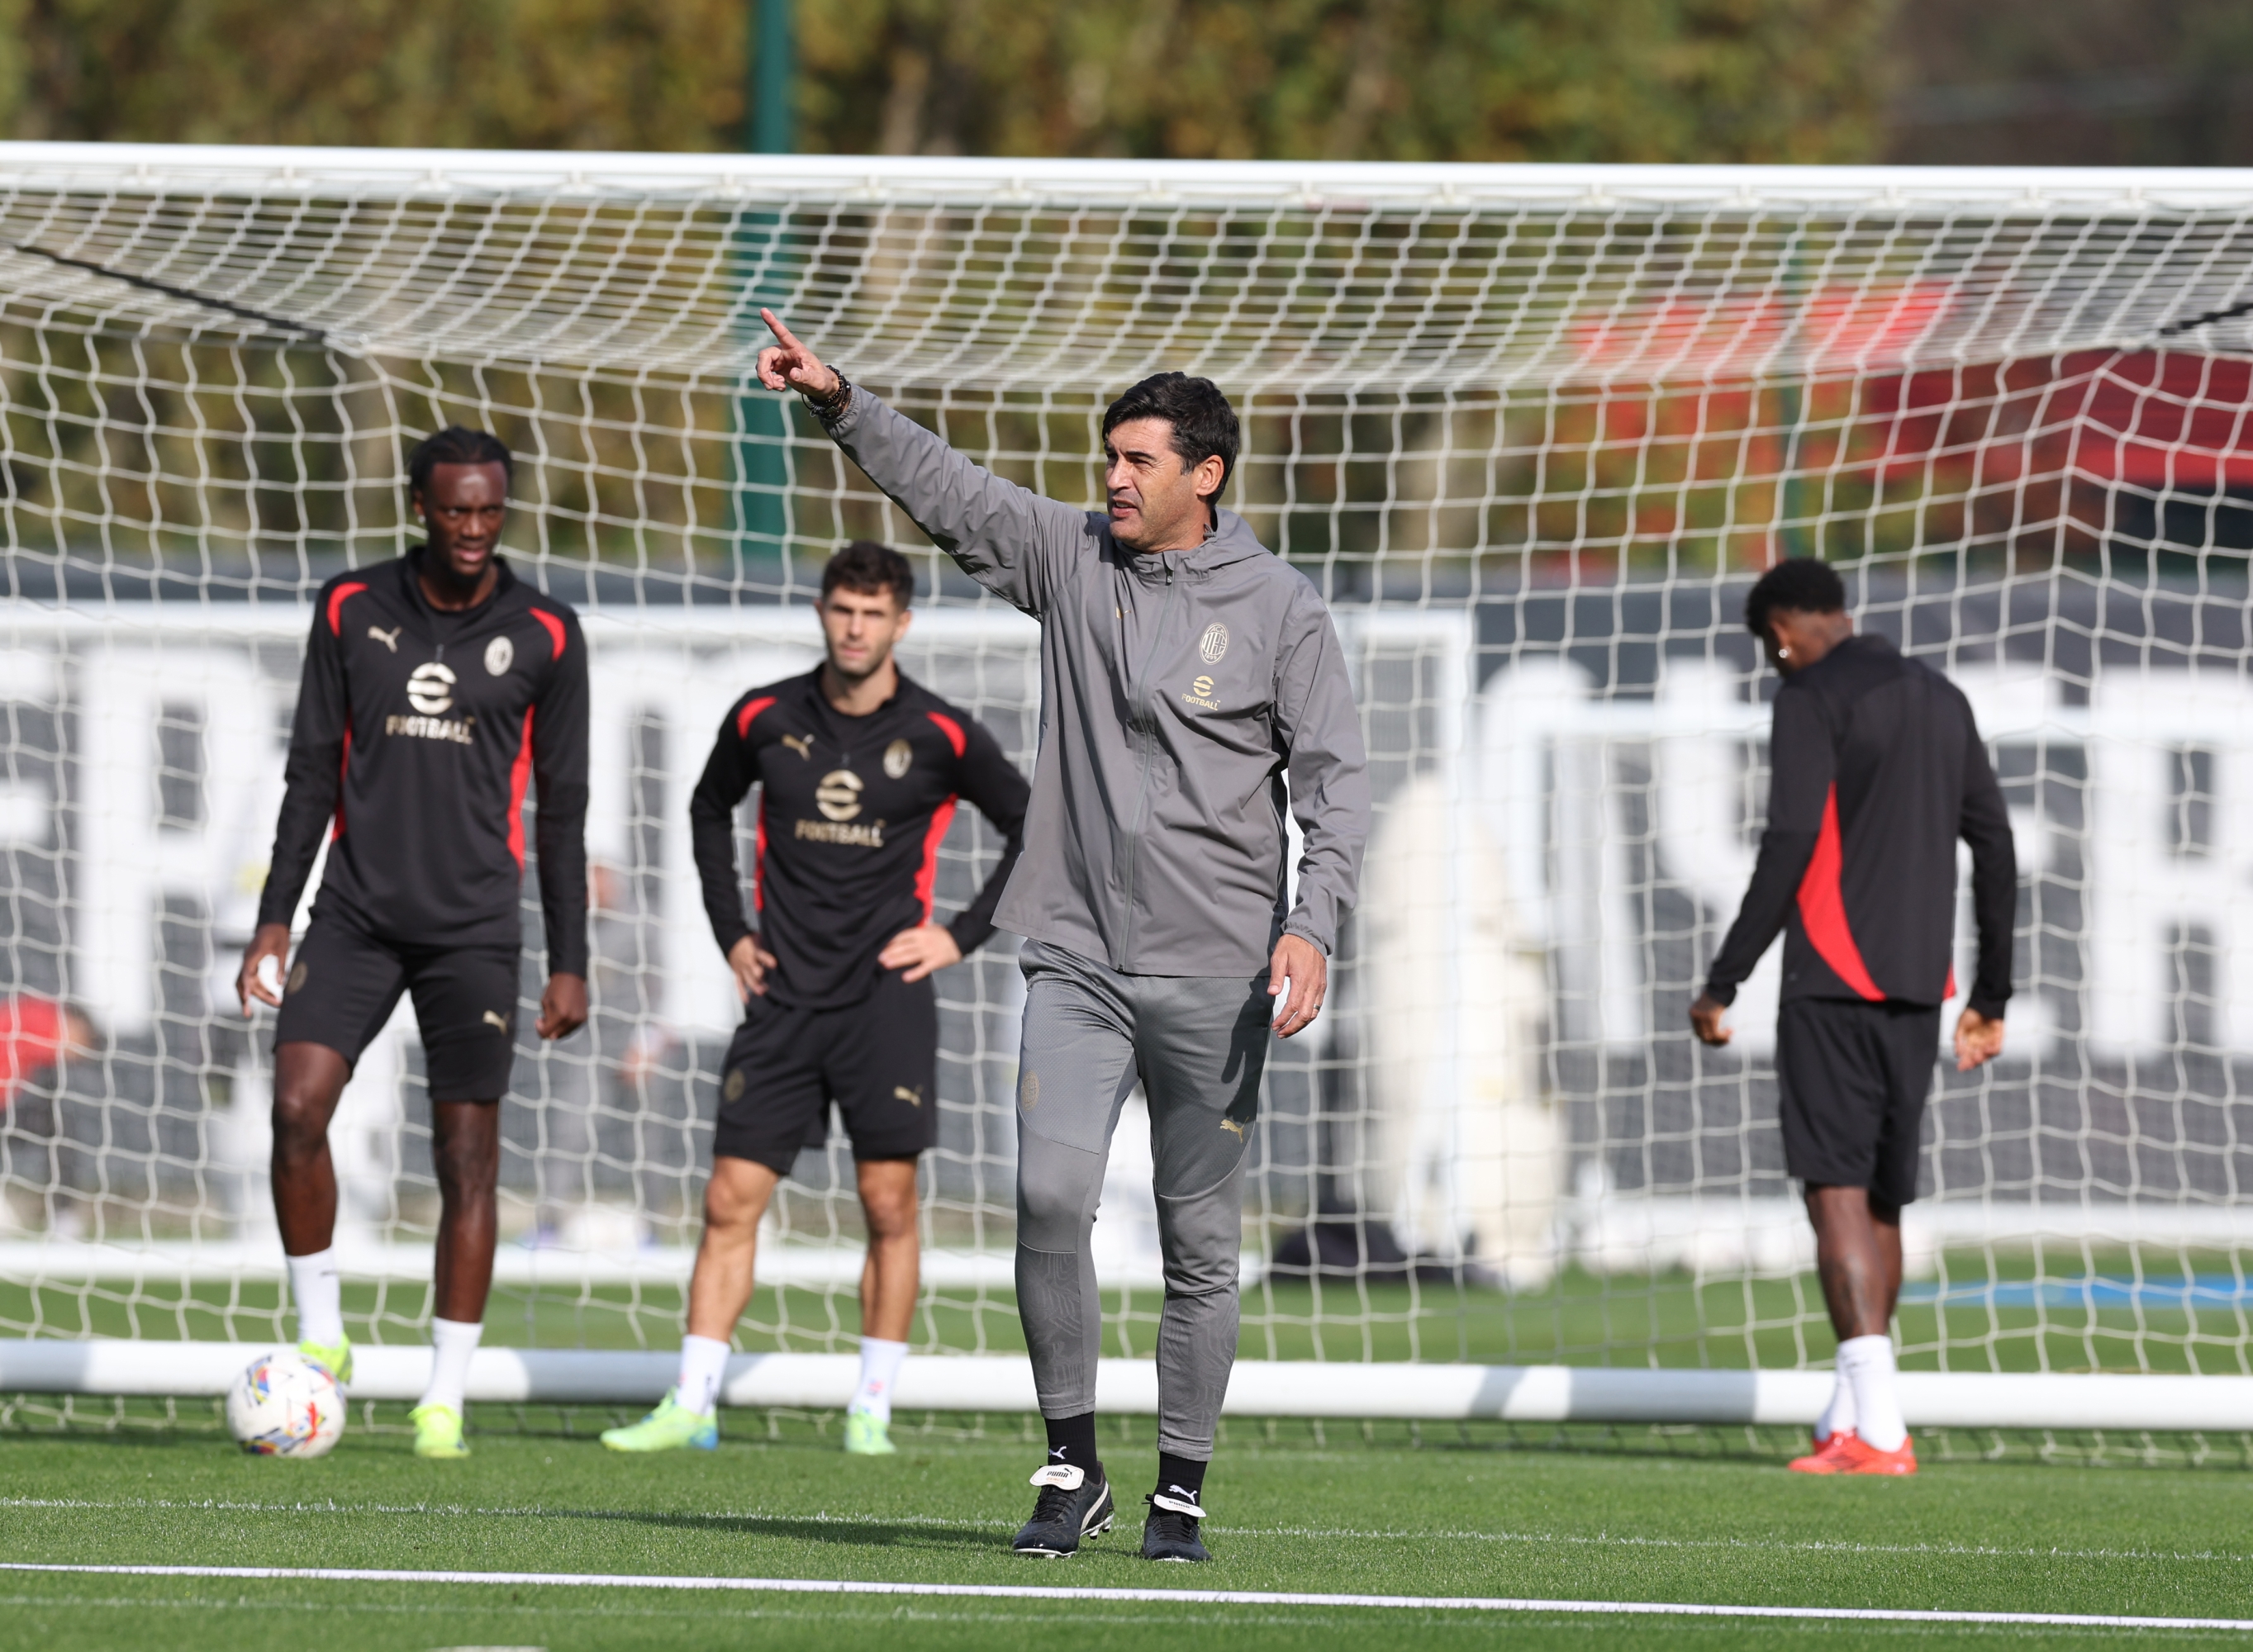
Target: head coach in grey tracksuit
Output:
[(1186, 673)]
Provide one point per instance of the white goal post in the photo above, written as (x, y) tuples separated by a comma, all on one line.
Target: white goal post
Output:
[(1532, 430)]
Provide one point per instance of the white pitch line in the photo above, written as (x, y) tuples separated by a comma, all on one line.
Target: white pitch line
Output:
[(1198, 1597)]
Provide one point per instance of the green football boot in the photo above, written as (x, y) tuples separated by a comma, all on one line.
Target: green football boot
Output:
[(867, 1435), (669, 1428), (334, 1357), (437, 1432)]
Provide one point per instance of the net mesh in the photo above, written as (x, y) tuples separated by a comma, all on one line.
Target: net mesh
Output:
[(1532, 431)]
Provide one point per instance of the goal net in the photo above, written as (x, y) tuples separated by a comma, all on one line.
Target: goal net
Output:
[(1532, 430)]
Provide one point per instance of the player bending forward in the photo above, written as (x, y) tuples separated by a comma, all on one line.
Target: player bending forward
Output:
[(1877, 769), (1184, 672), (435, 689), (859, 771)]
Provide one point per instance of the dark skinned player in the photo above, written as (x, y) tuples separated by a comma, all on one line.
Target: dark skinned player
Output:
[(439, 691), (1878, 770)]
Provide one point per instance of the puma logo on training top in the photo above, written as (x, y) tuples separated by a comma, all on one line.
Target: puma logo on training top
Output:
[(497, 1020), (1233, 1128), (802, 744), (388, 638)]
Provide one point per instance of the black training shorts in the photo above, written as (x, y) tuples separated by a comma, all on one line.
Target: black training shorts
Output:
[(877, 1059), (1854, 1077), (343, 984)]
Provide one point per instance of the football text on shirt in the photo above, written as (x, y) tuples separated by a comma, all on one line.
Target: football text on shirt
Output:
[(457, 730), (865, 834)]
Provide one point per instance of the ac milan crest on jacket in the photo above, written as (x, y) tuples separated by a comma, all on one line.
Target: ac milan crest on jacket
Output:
[(419, 736), (1879, 770), (852, 814)]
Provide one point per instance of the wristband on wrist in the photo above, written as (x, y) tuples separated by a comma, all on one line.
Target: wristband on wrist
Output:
[(833, 405)]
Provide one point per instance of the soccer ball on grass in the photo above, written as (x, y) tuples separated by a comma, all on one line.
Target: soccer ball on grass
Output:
[(285, 1405)]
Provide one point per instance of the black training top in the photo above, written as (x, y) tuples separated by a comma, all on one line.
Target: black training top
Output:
[(851, 815), (1877, 769), (418, 734)]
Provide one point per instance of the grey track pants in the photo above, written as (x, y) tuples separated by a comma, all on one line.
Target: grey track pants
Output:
[(1198, 1044)]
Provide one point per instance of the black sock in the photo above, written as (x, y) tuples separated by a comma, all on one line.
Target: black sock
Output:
[(1181, 1476), (1071, 1441)]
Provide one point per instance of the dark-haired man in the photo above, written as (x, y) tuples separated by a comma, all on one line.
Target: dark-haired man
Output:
[(859, 771), (1185, 672), (437, 690), (1876, 769)]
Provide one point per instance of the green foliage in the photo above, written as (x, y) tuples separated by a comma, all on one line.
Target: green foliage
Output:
[(656, 74), (1369, 79), (1358, 80)]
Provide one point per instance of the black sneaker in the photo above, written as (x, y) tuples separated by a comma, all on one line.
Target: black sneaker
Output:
[(1170, 1533), (1071, 1507)]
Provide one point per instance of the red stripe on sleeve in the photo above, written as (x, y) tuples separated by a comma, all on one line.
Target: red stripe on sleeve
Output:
[(520, 781), (554, 627), (927, 877), (1822, 908), (759, 849), (343, 768), (351, 587), (952, 730), (748, 715)]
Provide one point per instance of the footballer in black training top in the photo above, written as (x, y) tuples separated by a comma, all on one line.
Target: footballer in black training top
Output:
[(438, 691), (860, 772)]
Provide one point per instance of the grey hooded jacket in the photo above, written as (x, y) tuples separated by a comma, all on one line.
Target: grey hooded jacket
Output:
[(1177, 692)]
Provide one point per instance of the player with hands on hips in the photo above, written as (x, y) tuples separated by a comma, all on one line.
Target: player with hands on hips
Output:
[(859, 771)]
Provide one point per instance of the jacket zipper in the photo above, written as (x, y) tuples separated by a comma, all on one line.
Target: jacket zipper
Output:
[(1142, 795)]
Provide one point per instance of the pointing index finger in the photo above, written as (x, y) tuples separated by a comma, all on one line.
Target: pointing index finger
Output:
[(774, 326)]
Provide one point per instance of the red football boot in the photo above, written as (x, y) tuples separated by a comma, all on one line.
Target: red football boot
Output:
[(1848, 1453)]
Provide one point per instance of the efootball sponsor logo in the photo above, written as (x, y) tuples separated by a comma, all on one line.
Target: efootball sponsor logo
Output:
[(837, 797), (1200, 693), (430, 690)]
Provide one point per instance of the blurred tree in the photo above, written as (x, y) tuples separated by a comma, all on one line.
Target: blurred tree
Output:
[(655, 74), (2071, 83), (1375, 79), (1367, 79)]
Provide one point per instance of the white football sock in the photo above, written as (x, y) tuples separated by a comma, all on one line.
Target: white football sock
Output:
[(1868, 1362), (451, 1344), (1838, 1416), (320, 1296), (703, 1363), (880, 1369)]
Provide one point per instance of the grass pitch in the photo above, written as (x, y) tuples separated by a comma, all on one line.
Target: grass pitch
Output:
[(1322, 1511)]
